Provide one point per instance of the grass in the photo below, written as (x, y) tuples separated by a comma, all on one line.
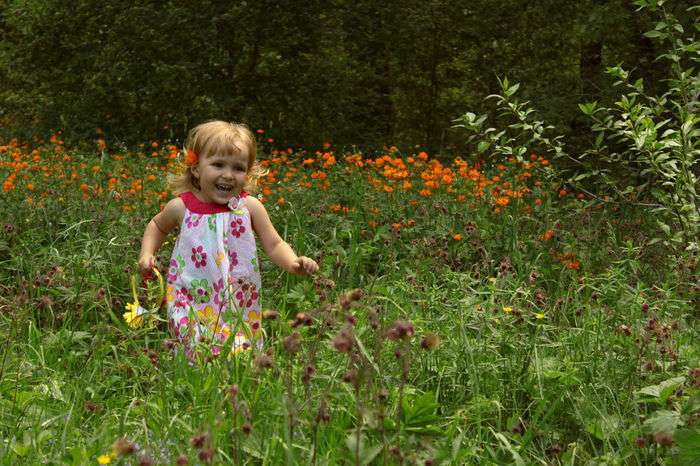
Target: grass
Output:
[(477, 337)]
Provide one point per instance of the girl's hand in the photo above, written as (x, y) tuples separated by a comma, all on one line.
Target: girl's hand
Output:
[(304, 266), (146, 264)]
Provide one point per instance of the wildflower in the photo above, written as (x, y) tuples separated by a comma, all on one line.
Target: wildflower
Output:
[(134, 318), (457, 237), (507, 309), (355, 294), (322, 415), (182, 459), (104, 459), (292, 342), (401, 330), (430, 341), (350, 376), (270, 314), (539, 316), (198, 440), (122, 447), (342, 342), (247, 428), (641, 441), (263, 361), (191, 158)]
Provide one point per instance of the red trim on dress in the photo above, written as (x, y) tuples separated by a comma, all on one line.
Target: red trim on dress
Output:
[(196, 206)]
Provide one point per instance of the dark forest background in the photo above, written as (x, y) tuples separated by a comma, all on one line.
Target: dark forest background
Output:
[(354, 72)]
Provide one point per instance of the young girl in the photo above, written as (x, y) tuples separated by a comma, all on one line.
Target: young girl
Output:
[(213, 279)]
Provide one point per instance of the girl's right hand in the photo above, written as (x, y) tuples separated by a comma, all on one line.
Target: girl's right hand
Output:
[(146, 264)]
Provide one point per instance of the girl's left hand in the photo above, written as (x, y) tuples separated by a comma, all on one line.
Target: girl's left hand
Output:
[(304, 266)]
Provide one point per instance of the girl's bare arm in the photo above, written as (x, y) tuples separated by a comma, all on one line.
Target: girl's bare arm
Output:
[(274, 246), (156, 231)]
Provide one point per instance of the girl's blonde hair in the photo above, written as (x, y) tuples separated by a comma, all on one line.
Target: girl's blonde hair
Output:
[(221, 138)]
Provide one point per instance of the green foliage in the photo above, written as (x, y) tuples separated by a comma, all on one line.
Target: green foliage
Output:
[(355, 72), (648, 147), (646, 150), (536, 361)]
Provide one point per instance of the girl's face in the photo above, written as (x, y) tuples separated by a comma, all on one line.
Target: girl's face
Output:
[(221, 176)]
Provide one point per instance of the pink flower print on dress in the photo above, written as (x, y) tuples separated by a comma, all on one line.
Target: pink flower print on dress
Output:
[(182, 328), (219, 297), (175, 269), (199, 257), (232, 260), (237, 227), (192, 220), (183, 298), (247, 294)]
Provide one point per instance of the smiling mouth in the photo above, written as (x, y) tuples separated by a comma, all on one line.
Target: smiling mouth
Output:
[(225, 188)]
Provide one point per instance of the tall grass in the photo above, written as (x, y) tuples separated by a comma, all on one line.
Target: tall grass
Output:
[(477, 322)]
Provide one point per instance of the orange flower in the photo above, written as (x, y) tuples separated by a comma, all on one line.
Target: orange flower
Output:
[(573, 265), (457, 237), (191, 158)]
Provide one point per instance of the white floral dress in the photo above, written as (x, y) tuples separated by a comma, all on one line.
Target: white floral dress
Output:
[(213, 280)]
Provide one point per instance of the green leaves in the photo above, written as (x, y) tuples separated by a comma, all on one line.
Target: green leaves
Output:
[(688, 443), (659, 394), (662, 421)]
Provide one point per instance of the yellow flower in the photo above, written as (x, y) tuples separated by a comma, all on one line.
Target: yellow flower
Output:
[(507, 309), (134, 318), (240, 344), (539, 316), (208, 317), (104, 459)]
